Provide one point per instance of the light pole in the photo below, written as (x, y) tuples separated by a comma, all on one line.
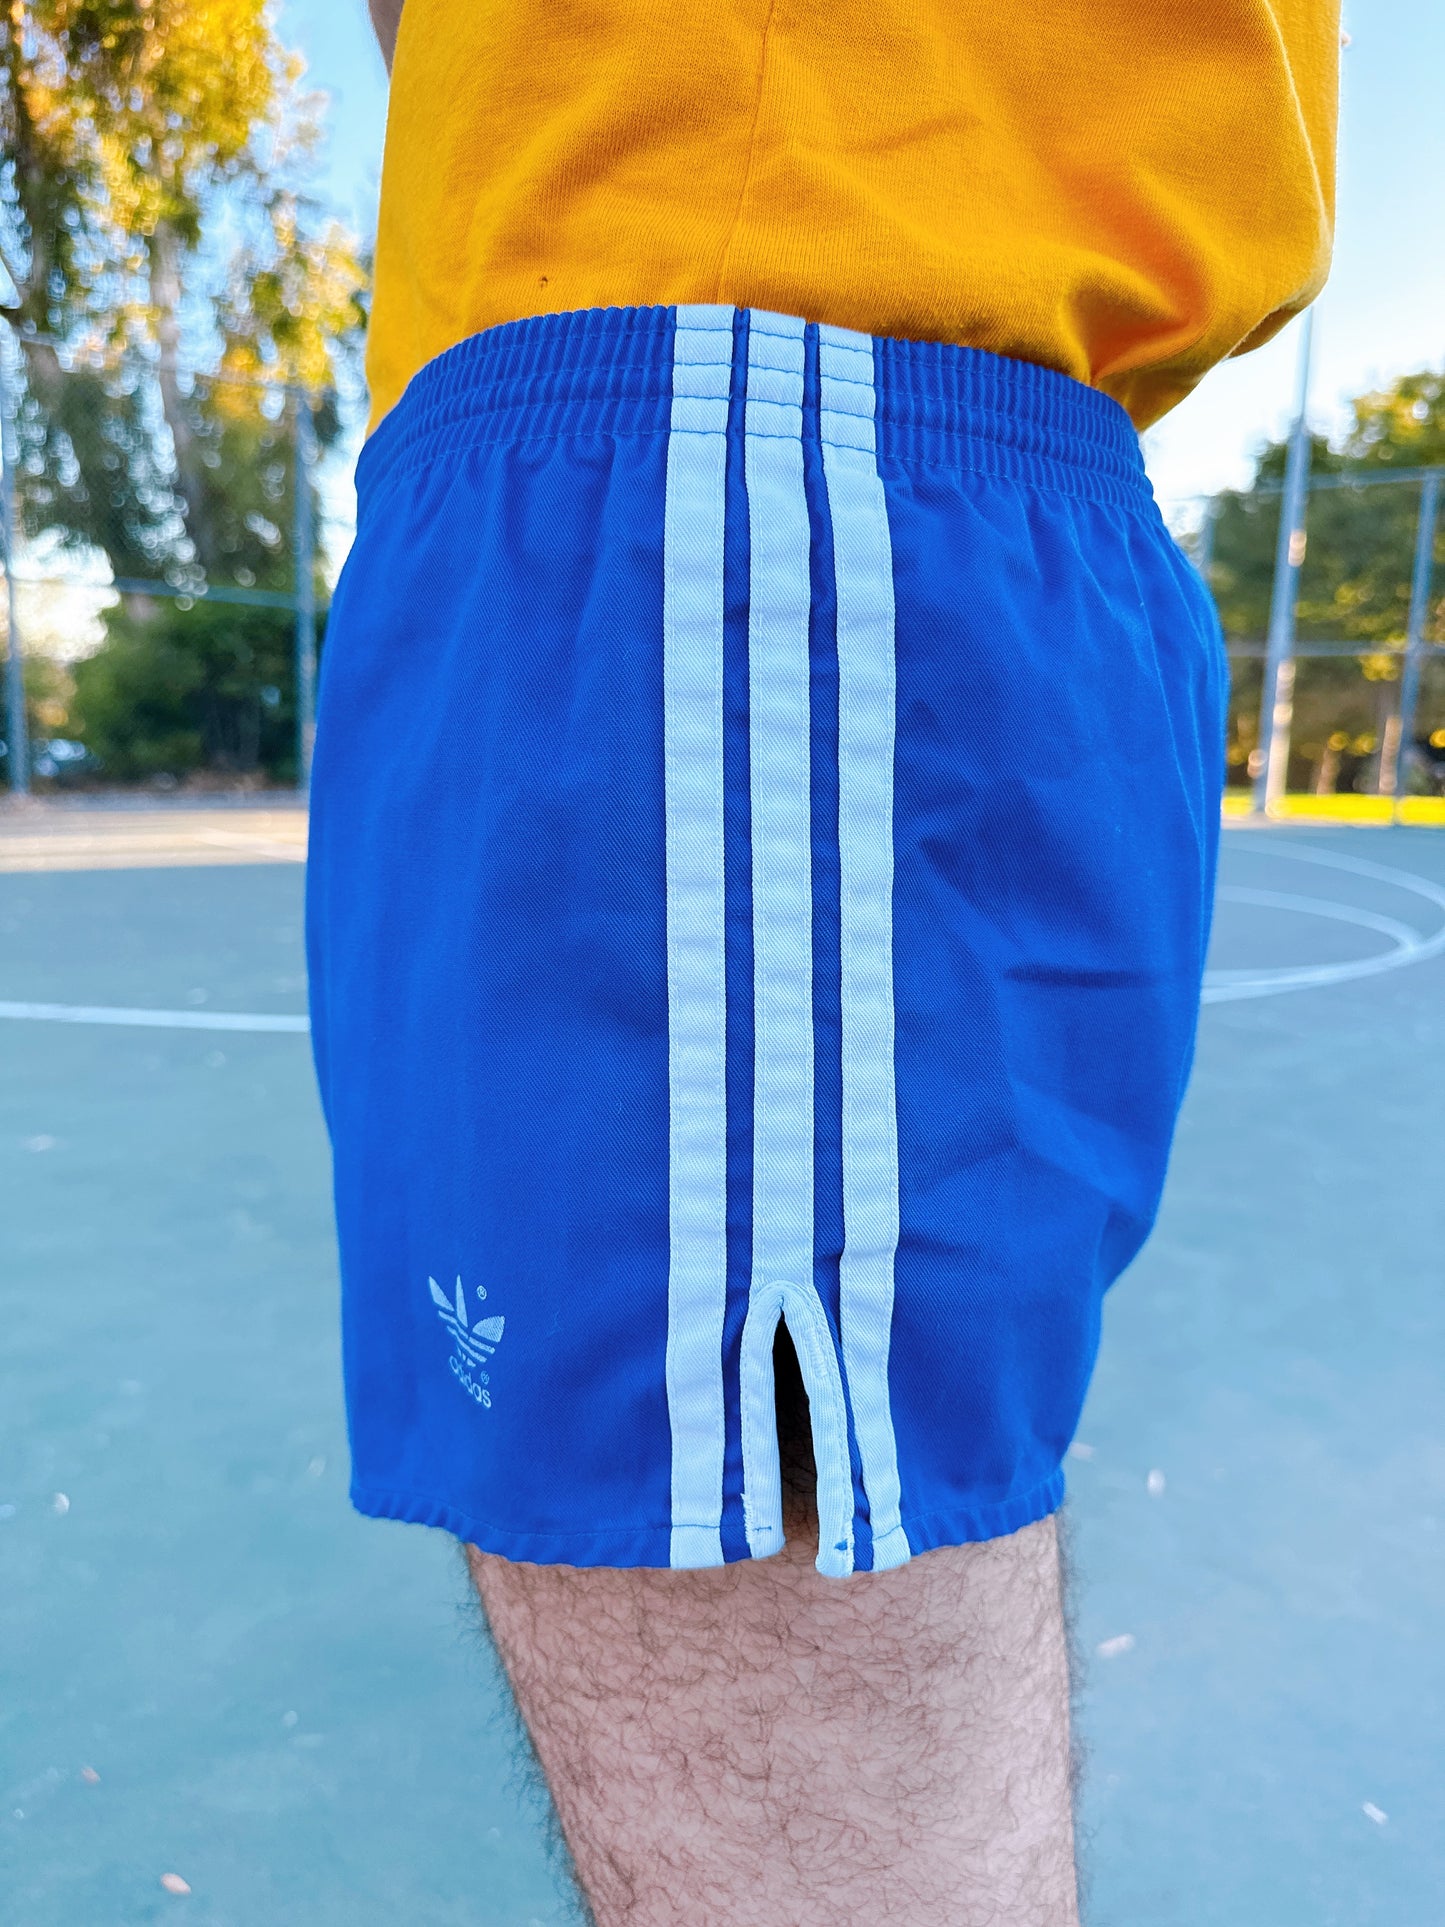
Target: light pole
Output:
[(304, 545), (16, 736), (1415, 630), (1276, 697)]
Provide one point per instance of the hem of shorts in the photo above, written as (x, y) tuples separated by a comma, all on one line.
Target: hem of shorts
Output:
[(968, 1524), (651, 1546), (622, 1546)]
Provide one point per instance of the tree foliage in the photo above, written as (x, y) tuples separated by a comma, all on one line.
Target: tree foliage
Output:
[(185, 689), (152, 217), (1354, 584)]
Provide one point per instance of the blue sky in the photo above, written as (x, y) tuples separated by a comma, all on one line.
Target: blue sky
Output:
[(1382, 314)]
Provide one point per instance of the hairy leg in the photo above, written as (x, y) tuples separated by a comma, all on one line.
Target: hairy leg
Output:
[(757, 1746)]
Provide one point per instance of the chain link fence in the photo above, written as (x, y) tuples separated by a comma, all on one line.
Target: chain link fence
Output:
[(1335, 631), (169, 540)]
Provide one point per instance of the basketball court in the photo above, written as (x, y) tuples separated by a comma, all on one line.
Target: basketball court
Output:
[(211, 1670)]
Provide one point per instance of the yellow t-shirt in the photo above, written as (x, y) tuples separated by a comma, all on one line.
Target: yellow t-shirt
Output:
[(1126, 190)]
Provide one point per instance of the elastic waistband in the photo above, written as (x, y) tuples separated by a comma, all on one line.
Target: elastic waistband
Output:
[(609, 372)]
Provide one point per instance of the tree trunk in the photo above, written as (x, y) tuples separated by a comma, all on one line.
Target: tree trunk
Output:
[(164, 251), (1387, 738), (30, 312)]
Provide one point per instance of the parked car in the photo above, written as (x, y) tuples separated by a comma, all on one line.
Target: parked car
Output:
[(58, 759)]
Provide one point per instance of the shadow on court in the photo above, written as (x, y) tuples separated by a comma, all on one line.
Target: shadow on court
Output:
[(291, 1709)]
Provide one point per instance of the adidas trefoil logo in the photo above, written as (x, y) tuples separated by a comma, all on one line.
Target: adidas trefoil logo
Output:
[(472, 1345)]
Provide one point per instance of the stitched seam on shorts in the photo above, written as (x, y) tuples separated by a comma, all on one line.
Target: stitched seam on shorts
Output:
[(1029, 1496), (1109, 492), (1026, 1498), (515, 1532)]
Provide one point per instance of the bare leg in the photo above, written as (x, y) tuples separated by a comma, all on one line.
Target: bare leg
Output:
[(756, 1746)]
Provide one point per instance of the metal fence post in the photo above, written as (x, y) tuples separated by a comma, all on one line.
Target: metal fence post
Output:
[(304, 544), (1415, 630), (16, 735), (1276, 696)]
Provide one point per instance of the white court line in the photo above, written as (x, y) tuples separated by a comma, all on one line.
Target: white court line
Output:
[(153, 1019), (1406, 939), (1410, 946), (277, 848), (1220, 986)]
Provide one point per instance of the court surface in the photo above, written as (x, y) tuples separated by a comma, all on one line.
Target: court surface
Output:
[(210, 1669)]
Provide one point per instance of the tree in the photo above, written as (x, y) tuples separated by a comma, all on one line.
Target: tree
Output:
[(1354, 584), (152, 215), (208, 687)]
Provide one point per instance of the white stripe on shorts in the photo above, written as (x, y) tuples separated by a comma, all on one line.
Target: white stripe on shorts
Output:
[(782, 1282), (780, 595), (863, 570), (692, 646)]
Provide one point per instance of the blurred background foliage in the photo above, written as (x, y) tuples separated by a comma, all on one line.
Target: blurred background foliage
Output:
[(188, 689), (1354, 588), (154, 222)]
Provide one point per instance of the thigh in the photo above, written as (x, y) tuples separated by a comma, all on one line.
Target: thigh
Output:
[(759, 1745)]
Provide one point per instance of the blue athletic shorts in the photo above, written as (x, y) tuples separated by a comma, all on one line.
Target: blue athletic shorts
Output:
[(763, 834)]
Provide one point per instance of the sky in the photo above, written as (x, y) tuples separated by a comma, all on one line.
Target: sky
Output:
[(1382, 315)]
